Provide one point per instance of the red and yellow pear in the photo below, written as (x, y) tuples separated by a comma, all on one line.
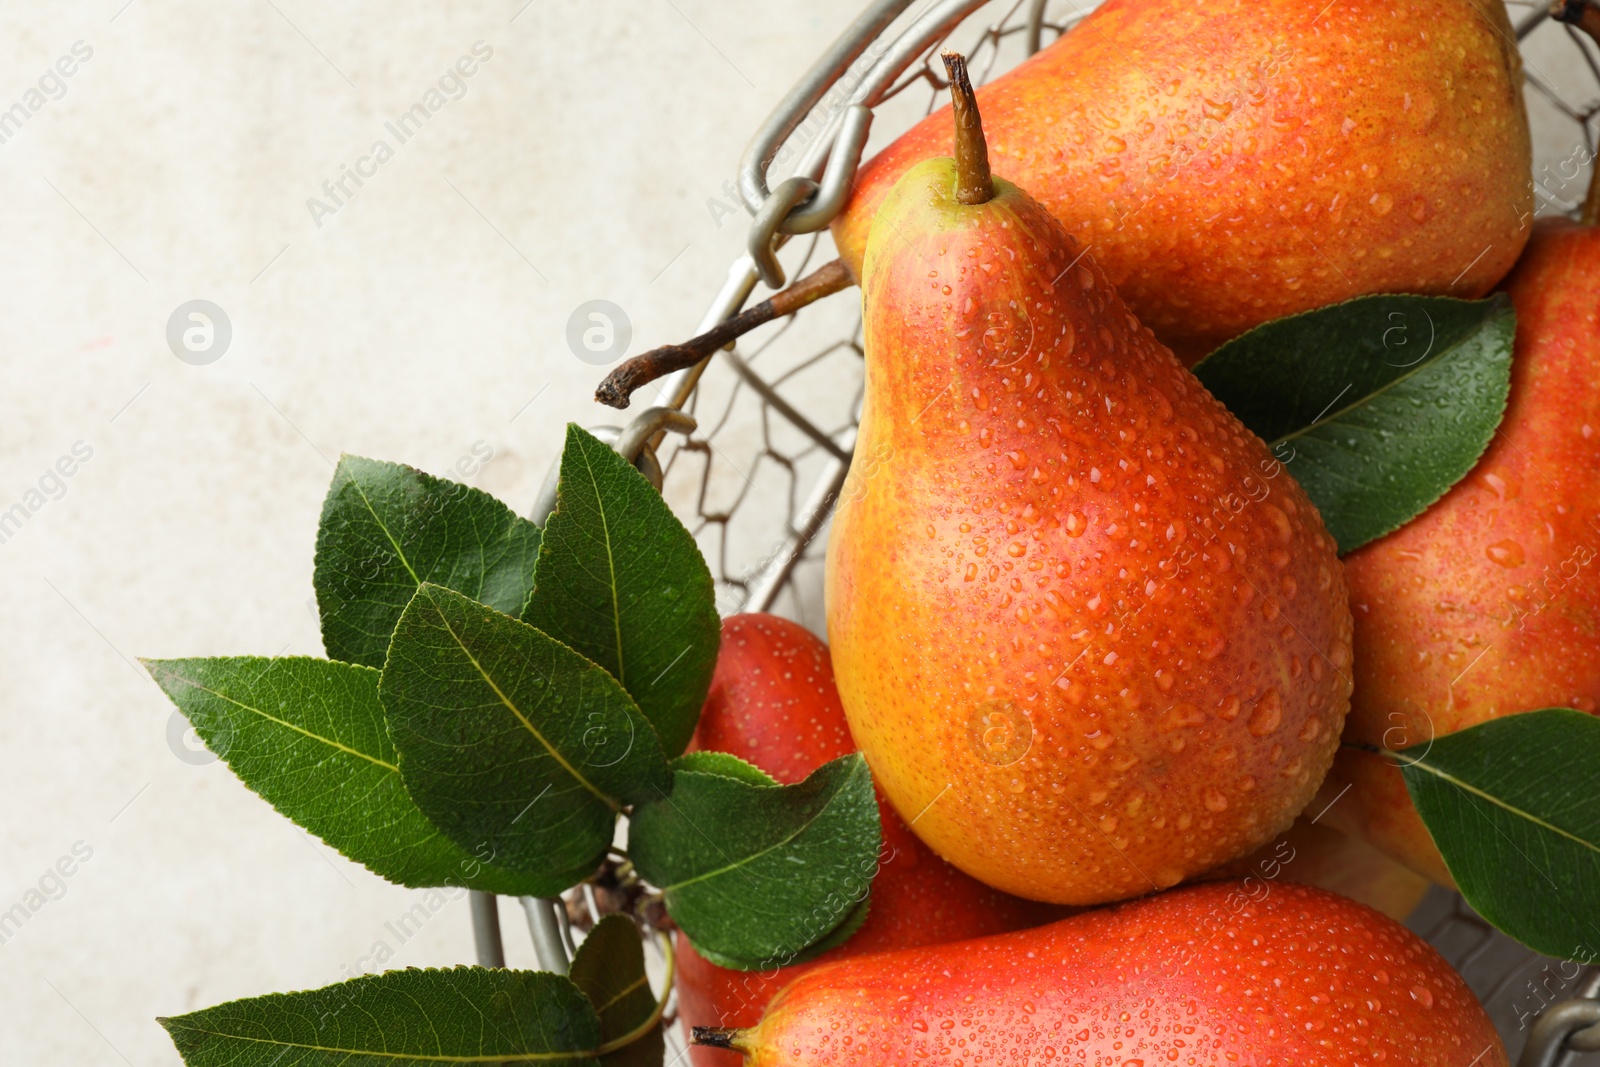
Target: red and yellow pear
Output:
[(1201, 975), (1090, 636)]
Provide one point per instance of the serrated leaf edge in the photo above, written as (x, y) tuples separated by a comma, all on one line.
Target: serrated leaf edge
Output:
[(348, 854), (151, 665), (341, 469), (168, 1022), (676, 763), (1496, 305), (855, 919), (585, 438)]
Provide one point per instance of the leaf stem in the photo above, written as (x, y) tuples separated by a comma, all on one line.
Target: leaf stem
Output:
[(655, 1016), (1396, 759)]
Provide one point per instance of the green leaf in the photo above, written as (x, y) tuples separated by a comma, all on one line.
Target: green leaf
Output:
[(731, 766), (609, 968), (308, 735), (457, 1016), (759, 872), (1514, 806), (622, 581), (1377, 405), (512, 742), (835, 937), (724, 763), (387, 528), (853, 921)]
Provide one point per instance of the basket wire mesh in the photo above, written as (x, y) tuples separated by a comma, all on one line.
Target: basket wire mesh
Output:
[(776, 415)]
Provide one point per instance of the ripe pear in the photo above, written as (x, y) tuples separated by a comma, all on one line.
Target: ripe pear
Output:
[(1488, 603), (1202, 975), (1091, 637), (1231, 162), (773, 703)]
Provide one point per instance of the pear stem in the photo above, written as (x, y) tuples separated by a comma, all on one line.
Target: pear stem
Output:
[(641, 370), (718, 1037), (974, 184), (1585, 16)]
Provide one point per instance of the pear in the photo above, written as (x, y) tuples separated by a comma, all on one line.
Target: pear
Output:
[(1488, 603), (1231, 162), (773, 703), (1224, 973), (1091, 637)]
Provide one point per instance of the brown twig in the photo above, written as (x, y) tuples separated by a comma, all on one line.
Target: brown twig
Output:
[(641, 370), (974, 183)]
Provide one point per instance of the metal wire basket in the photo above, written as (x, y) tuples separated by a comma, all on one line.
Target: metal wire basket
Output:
[(757, 471)]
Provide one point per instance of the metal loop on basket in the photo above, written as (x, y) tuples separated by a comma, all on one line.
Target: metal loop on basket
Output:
[(843, 158), (763, 253), (635, 441), (1573, 1026)]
